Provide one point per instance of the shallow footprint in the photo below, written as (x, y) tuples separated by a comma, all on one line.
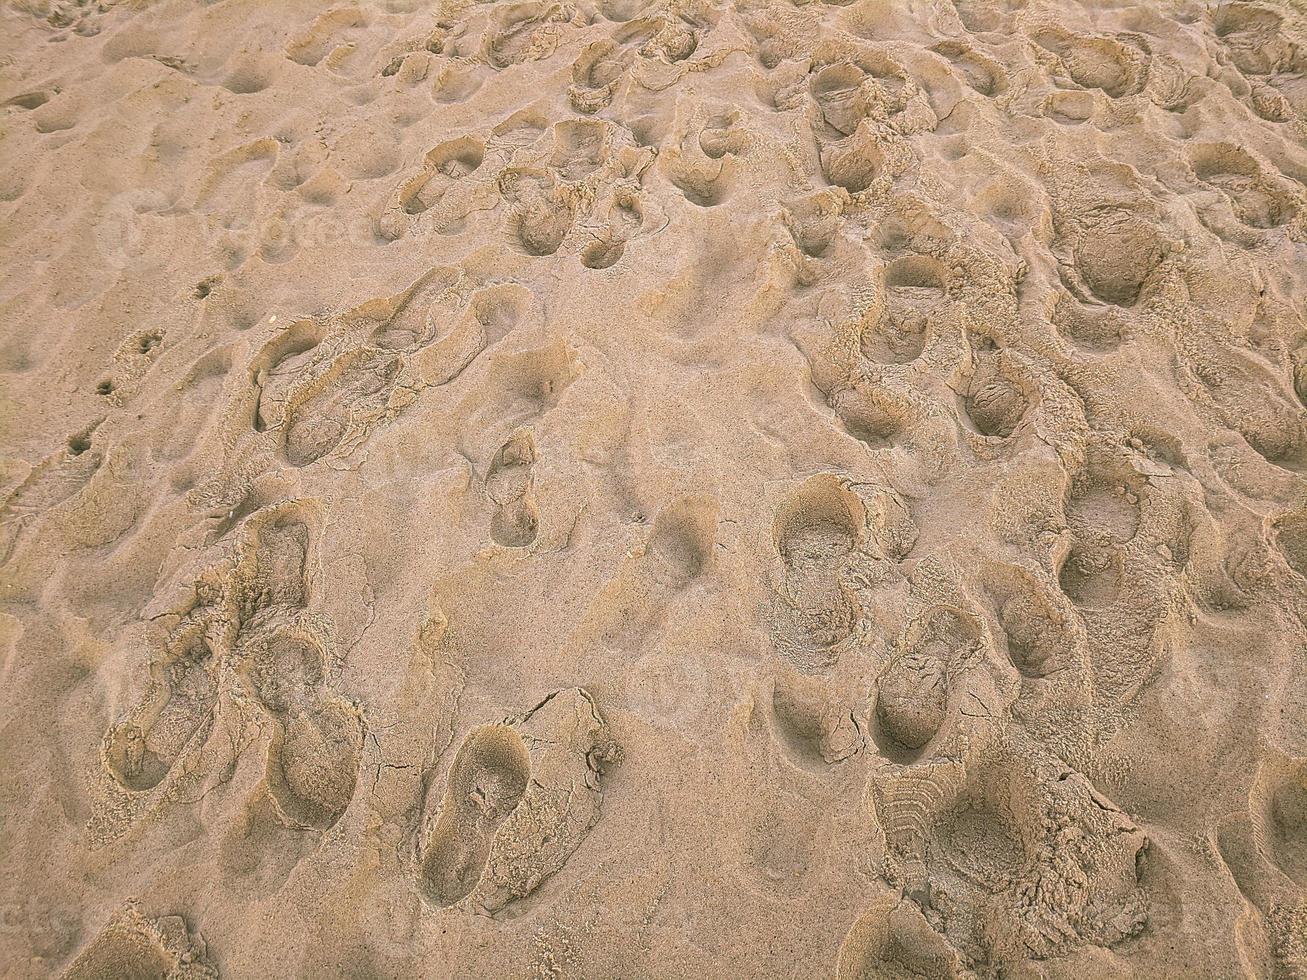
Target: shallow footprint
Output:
[(486, 782), (141, 750), (1254, 199), (313, 764), (317, 423), (133, 947), (510, 485), (51, 482), (893, 939)]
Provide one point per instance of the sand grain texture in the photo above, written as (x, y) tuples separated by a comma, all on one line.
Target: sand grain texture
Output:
[(609, 488)]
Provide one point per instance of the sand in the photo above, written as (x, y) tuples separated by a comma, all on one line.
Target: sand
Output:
[(619, 489)]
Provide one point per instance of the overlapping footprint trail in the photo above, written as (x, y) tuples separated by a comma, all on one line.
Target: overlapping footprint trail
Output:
[(888, 421)]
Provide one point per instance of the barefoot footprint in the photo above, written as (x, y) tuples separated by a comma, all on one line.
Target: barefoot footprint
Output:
[(509, 484), (486, 782)]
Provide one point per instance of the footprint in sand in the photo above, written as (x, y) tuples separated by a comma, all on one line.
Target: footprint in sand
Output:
[(816, 532), (313, 757), (444, 166), (520, 797), (1255, 402), (178, 709), (134, 947), (916, 294), (1289, 534), (279, 366), (521, 32), (982, 73), (355, 386), (54, 480), (279, 545), (1104, 63), (541, 211), (1102, 512), (486, 783), (596, 75), (1114, 254), (892, 940), (510, 485), (1035, 633), (1255, 198), (1265, 848), (912, 692), (994, 398)]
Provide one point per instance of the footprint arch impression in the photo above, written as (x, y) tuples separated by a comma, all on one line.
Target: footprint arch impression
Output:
[(518, 800)]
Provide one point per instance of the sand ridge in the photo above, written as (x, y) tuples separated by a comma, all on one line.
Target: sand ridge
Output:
[(623, 488)]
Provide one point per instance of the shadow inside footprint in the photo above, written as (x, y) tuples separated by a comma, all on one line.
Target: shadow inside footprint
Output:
[(142, 749), (486, 782), (313, 764), (313, 757), (319, 422), (134, 947), (815, 534)]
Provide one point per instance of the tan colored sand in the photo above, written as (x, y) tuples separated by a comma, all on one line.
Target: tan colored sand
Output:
[(618, 489)]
